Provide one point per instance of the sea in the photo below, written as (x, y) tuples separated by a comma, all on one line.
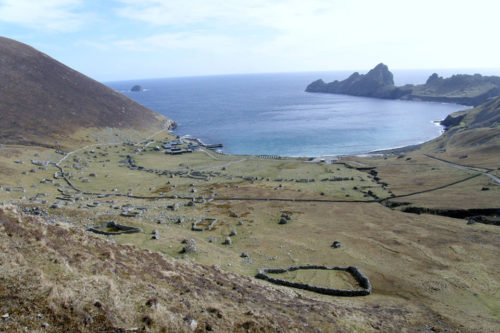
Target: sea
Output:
[(271, 114)]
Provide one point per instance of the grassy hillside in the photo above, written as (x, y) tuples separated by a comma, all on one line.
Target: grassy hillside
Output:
[(473, 136), (422, 225), (43, 102)]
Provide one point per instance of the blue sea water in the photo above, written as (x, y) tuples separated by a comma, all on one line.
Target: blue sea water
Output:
[(271, 114)]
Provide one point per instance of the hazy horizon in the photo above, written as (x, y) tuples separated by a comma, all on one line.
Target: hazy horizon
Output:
[(127, 39), (444, 72)]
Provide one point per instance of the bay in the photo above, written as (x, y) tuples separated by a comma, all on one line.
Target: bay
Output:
[(271, 114)]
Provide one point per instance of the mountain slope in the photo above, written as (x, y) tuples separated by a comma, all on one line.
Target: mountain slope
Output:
[(42, 100)]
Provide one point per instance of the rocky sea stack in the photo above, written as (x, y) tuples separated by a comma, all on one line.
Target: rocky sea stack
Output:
[(137, 88)]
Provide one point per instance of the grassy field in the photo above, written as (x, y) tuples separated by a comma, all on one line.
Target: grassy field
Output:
[(437, 263)]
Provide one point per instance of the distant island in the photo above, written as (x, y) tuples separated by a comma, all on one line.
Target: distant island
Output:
[(136, 88), (379, 83)]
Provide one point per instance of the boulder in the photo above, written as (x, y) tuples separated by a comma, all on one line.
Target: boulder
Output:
[(283, 221), (336, 244), (189, 246)]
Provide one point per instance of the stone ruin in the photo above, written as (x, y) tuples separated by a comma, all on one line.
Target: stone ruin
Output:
[(362, 280), (113, 228), (211, 224)]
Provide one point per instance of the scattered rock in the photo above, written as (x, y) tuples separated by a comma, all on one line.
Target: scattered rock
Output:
[(193, 325), (227, 241), (232, 233), (336, 244), (151, 302), (240, 222), (189, 246), (471, 221), (283, 221), (244, 255), (286, 216), (233, 214)]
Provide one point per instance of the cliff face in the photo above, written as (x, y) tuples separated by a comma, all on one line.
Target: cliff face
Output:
[(376, 83), (43, 100), (461, 89), (379, 83)]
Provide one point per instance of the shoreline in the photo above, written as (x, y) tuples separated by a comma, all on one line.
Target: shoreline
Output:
[(326, 158), (320, 158)]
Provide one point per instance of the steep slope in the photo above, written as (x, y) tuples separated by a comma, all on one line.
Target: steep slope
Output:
[(471, 135), (378, 82), (43, 100)]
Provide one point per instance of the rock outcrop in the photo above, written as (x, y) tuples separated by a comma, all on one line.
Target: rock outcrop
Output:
[(378, 82)]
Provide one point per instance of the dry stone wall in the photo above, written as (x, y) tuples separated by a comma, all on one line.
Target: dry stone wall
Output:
[(362, 280)]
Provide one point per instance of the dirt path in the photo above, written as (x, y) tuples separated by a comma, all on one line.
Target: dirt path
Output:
[(85, 147), (224, 165), (468, 168)]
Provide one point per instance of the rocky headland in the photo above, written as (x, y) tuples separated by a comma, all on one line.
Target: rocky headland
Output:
[(379, 83)]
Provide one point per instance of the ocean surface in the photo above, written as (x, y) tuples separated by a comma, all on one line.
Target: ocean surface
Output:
[(270, 114)]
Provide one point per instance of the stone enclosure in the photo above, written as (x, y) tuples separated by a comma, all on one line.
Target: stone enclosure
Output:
[(362, 280)]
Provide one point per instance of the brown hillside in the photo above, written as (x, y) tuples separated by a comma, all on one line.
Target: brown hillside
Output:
[(42, 100), (472, 135), (59, 279)]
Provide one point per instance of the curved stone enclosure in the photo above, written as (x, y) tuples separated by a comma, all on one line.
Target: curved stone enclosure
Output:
[(120, 229), (362, 280), (208, 228)]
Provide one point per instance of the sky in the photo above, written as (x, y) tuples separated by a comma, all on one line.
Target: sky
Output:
[(111, 40)]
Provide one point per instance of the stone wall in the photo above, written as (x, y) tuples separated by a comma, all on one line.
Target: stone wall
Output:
[(121, 229), (362, 280)]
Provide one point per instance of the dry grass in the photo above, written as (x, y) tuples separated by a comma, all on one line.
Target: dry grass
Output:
[(424, 269), (56, 278)]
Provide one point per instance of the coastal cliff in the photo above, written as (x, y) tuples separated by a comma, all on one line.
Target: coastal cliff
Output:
[(378, 82)]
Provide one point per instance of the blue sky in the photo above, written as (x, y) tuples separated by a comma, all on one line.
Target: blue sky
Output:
[(128, 39)]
